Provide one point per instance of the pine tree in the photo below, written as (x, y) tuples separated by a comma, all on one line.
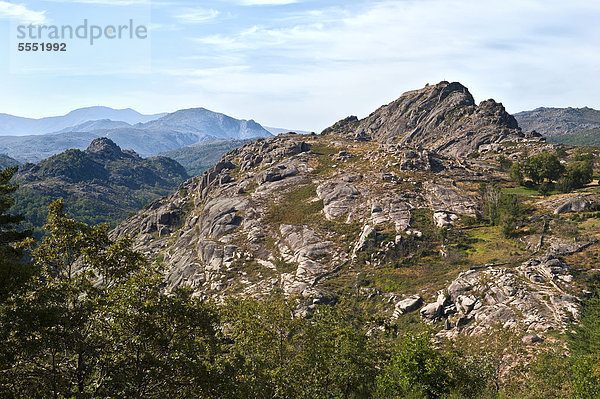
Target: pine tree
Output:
[(13, 270)]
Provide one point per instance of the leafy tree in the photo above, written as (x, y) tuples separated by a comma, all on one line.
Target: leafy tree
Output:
[(13, 270), (585, 349), (278, 354), (159, 345), (578, 174), (416, 370), (516, 173), (543, 166), (95, 322), (501, 209), (544, 188)]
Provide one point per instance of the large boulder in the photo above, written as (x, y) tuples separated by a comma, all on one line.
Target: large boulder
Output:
[(573, 204)]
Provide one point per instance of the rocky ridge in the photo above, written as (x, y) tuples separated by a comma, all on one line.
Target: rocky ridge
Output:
[(441, 117), (553, 122), (368, 206)]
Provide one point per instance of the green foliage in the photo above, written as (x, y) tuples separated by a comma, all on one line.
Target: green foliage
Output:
[(501, 209), (516, 173), (94, 322), (543, 166), (588, 137), (549, 376), (97, 187), (544, 188), (505, 163), (417, 370), (578, 174), (13, 270), (555, 375), (278, 354)]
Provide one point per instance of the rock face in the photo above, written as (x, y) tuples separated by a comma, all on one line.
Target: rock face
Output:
[(362, 210), (441, 117), (574, 204), (499, 297)]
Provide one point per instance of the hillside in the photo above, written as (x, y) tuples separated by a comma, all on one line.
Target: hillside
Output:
[(382, 207), (101, 184), (6, 161), (573, 126), (90, 126), (374, 260), (277, 130), (587, 137), (172, 131), (197, 158)]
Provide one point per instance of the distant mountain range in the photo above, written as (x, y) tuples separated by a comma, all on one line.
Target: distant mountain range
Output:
[(168, 132), (18, 126), (573, 126), (90, 126), (277, 130)]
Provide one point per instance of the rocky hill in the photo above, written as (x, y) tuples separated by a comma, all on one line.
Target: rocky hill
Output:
[(383, 209), (574, 126), (101, 184), (442, 117)]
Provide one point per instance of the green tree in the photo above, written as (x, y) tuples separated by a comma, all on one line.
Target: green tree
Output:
[(501, 209), (159, 345), (415, 370), (277, 354), (516, 173), (505, 163), (14, 271), (543, 166), (584, 345), (95, 322), (578, 174)]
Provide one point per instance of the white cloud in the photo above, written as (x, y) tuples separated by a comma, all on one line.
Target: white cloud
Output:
[(196, 15), (334, 61), (21, 13)]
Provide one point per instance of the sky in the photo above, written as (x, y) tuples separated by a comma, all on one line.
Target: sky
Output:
[(302, 64)]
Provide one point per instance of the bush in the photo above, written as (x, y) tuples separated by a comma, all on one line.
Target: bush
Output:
[(505, 163)]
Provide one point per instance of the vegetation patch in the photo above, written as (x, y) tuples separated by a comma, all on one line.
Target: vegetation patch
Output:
[(296, 207)]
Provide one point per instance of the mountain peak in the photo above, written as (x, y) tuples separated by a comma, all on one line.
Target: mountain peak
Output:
[(441, 117), (104, 146)]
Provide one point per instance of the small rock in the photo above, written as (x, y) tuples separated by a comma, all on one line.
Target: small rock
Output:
[(531, 339)]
